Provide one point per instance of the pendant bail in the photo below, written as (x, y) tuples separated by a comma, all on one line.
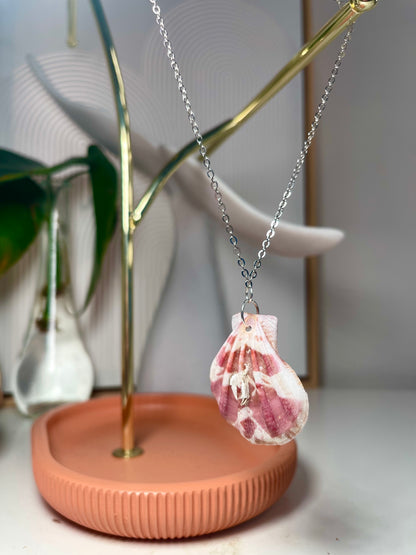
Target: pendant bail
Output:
[(243, 306)]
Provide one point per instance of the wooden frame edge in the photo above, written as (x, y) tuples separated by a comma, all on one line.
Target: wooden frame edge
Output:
[(311, 218)]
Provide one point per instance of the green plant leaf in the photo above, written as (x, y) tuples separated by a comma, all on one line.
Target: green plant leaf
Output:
[(23, 209), (24, 205), (103, 177), (12, 163)]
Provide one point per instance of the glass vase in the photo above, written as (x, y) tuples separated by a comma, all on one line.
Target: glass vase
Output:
[(54, 366)]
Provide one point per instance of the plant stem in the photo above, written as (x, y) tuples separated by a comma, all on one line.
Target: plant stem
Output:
[(48, 318), (78, 161), (50, 308), (54, 280)]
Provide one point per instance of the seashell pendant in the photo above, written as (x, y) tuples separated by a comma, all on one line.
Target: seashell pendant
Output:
[(256, 391)]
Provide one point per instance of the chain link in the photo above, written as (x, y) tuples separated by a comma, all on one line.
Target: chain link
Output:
[(247, 275)]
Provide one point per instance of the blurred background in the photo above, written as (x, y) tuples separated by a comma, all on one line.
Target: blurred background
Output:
[(365, 180)]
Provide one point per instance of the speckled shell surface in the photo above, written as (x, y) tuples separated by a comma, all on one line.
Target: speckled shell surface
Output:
[(256, 391)]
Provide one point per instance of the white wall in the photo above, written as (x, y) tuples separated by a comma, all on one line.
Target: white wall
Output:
[(367, 180)]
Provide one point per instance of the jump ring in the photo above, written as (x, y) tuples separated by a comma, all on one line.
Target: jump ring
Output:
[(243, 306)]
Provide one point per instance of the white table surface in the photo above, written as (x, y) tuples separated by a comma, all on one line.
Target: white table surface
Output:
[(354, 490)]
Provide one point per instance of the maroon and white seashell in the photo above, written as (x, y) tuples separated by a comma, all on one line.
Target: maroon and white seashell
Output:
[(256, 391)]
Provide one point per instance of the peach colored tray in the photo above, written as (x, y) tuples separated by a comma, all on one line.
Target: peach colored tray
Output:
[(197, 474)]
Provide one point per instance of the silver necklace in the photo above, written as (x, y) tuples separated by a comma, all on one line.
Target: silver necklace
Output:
[(267, 404)]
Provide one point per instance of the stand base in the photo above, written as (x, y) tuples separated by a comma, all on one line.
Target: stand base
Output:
[(197, 475)]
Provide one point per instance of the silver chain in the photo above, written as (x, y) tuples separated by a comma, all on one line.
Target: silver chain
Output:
[(249, 276)]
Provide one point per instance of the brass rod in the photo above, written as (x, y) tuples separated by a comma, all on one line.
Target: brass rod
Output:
[(128, 448), (338, 23), (72, 23), (213, 138)]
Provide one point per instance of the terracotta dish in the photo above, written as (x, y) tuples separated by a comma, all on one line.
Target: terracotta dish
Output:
[(197, 474)]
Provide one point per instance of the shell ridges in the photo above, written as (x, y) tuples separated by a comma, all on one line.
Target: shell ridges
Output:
[(256, 391)]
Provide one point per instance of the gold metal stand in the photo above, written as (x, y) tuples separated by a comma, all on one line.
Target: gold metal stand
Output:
[(213, 138), (128, 448)]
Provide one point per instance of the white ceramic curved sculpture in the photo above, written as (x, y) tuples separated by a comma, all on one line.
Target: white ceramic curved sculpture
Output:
[(291, 240)]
